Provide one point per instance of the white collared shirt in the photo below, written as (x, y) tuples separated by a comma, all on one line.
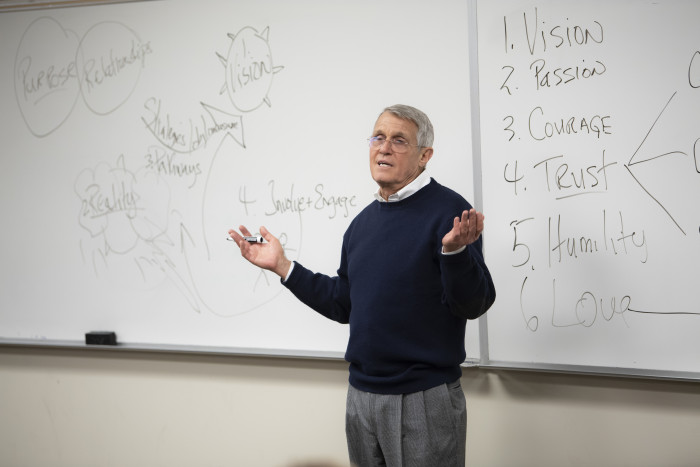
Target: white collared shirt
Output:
[(421, 181)]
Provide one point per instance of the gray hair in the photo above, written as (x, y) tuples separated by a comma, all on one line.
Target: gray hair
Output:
[(425, 128)]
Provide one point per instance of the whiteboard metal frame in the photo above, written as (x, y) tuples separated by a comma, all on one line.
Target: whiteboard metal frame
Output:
[(476, 147), (168, 348), (583, 370), (189, 349), (24, 5), (638, 373)]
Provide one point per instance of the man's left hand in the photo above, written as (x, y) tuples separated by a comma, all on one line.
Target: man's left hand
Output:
[(465, 231)]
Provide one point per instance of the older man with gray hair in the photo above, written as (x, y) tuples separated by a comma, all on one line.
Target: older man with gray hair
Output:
[(411, 274)]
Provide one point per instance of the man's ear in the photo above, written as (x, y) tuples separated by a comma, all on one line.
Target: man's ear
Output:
[(425, 156)]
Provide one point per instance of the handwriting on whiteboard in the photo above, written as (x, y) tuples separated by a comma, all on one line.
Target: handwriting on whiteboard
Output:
[(159, 213), (54, 67), (561, 166)]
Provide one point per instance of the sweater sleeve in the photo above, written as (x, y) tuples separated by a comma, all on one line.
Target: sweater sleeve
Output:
[(329, 296), (467, 285)]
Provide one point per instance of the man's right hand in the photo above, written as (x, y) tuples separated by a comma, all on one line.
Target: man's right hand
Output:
[(269, 255)]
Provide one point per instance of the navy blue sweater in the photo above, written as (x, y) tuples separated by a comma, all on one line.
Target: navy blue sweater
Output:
[(406, 302)]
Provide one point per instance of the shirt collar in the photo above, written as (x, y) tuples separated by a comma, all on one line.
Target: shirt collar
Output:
[(421, 181)]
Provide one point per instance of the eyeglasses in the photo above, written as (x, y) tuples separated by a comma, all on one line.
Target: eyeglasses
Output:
[(399, 145)]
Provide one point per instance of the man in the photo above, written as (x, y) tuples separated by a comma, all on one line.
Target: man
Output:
[(411, 273)]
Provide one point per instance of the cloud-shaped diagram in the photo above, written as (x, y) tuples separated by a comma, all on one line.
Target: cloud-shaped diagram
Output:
[(121, 206)]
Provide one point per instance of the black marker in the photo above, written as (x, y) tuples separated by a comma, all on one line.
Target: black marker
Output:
[(253, 239)]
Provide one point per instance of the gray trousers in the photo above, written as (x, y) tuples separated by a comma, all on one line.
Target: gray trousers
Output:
[(422, 429)]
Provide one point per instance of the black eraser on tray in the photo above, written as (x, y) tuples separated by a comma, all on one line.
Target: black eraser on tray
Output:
[(101, 338)]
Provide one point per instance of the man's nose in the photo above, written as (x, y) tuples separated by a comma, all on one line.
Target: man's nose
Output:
[(385, 147)]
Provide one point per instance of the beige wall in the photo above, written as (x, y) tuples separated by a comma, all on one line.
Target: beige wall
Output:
[(61, 407)]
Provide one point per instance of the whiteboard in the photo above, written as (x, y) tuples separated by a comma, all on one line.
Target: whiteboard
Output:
[(135, 135), (591, 172)]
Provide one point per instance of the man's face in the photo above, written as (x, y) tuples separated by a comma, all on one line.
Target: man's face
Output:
[(391, 170)]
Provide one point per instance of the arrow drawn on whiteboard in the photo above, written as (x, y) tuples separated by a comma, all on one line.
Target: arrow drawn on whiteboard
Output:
[(638, 158), (224, 121), (168, 265), (678, 313)]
